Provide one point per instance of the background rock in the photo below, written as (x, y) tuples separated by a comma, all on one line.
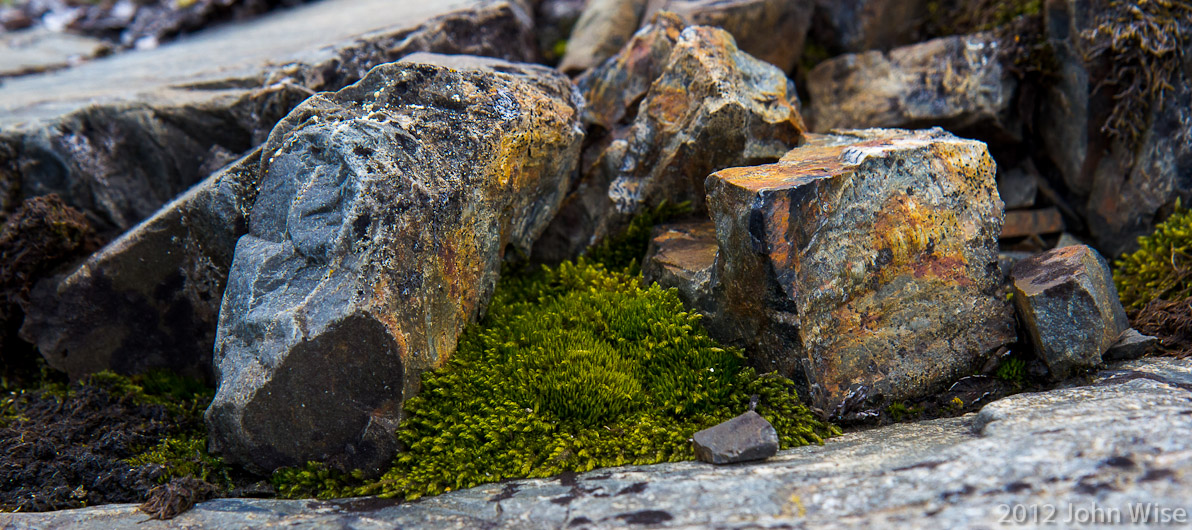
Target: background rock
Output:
[(1121, 441), (1069, 307), (603, 28), (851, 26), (704, 105), (863, 265), (384, 213), (771, 30)]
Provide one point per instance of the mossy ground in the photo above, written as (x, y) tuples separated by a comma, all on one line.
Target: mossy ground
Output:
[(1155, 283)]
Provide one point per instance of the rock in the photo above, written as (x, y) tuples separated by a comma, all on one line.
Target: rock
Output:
[(1017, 189), (1068, 240), (603, 28), (1131, 345), (553, 22), (745, 438), (1067, 301), (1124, 188), (1007, 259), (863, 265), (383, 215), (41, 50), (954, 82), (149, 299), (683, 256), (771, 30), (1020, 223), (120, 153), (1118, 443), (852, 26), (675, 105)]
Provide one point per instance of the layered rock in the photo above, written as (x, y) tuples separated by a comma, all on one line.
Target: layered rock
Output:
[(771, 30), (1069, 307), (675, 105), (954, 82), (383, 214), (863, 265)]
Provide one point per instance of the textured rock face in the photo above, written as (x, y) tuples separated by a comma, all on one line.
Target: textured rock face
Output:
[(953, 82), (1122, 441), (675, 105), (378, 233), (601, 30), (1070, 308), (150, 299), (683, 256), (771, 30), (851, 26), (742, 439), (863, 264), (120, 153)]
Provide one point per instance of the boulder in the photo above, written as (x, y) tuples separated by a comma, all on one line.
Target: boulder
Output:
[(120, 137), (742, 439), (957, 83), (863, 265), (149, 299), (683, 256), (383, 216), (602, 29), (852, 26), (675, 105), (771, 30), (1069, 307)]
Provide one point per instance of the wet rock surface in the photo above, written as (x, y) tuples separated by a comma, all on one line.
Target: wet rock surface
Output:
[(1116, 443), (384, 213), (1069, 307), (746, 438), (955, 82), (675, 105), (863, 265)]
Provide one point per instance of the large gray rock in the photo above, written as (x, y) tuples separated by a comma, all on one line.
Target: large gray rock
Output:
[(863, 265), (1121, 442), (378, 233), (675, 105), (1069, 307), (957, 83), (121, 136)]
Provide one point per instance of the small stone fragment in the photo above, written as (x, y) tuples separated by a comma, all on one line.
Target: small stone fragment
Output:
[(1067, 301), (956, 83), (1131, 345), (1021, 223), (745, 438)]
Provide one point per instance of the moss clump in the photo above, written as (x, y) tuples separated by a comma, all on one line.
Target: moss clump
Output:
[(1143, 43), (572, 368), (1012, 370), (624, 251), (1161, 268)]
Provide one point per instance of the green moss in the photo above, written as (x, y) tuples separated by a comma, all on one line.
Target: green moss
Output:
[(624, 251), (1143, 43), (900, 411), (1161, 268), (572, 368), (185, 455), (1012, 370)]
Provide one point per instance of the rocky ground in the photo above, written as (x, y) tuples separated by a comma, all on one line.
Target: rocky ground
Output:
[(862, 213)]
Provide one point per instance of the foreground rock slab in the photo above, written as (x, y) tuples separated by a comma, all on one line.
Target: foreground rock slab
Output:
[(863, 265), (1069, 307), (1120, 443), (378, 233), (676, 104)]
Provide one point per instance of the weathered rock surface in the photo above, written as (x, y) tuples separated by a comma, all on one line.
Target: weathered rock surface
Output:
[(383, 214), (121, 136), (771, 30), (150, 299), (1119, 442), (40, 50), (603, 28), (954, 82), (745, 438), (1069, 306), (675, 105), (852, 26), (683, 256), (1124, 188), (863, 265)]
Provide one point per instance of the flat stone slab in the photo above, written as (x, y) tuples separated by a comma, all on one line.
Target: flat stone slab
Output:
[(1114, 445), (40, 50)]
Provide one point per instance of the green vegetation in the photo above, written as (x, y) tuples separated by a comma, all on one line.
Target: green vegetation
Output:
[(624, 251), (1161, 268), (899, 411), (573, 367), (1012, 370)]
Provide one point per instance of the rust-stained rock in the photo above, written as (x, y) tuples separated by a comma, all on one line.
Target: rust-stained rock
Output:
[(683, 256), (383, 214), (675, 105), (864, 264), (1069, 306), (1042, 221), (952, 82), (602, 29), (771, 30)]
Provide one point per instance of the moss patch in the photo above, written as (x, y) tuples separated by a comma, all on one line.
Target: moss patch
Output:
[(1155, 283)]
